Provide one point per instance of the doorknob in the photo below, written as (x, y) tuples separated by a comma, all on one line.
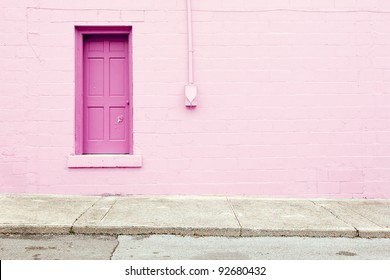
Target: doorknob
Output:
[(127, 102), (119, 119)]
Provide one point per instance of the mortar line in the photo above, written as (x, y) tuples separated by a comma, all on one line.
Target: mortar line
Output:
[(235, 215), (335, 11), (84, 9), (337, 217)]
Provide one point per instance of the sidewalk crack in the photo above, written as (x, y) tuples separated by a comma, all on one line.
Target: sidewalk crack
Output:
[(235, 215), (361, 216), (337, 217), (105, 215), (86, 210)]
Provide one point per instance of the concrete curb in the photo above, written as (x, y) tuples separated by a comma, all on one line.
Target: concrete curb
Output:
[(137, 230), (298, 233), (228, 232), (366, 233), (35, 229)]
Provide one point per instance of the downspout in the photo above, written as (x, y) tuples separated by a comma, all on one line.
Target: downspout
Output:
[(190, 44), (190, 88)]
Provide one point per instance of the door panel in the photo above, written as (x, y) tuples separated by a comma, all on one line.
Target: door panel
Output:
[(116, 45), (117, 123), (117, 76), (96, 76), (96, 45), (106, 95), (95, 123)]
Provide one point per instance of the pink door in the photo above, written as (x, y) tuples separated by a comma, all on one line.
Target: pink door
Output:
[(106, 102)]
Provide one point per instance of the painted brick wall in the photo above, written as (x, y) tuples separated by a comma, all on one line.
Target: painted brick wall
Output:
[(294, 97)]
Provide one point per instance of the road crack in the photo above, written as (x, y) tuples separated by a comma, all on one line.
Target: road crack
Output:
[(115, 247)]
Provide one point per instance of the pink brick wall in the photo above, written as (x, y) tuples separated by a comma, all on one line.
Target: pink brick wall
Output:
[(294, 97)]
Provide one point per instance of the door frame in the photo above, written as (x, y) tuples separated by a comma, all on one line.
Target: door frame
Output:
[(80, 31)]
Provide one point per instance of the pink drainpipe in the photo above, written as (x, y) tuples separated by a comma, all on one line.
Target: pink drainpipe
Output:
[(190, 88), (190, 46)]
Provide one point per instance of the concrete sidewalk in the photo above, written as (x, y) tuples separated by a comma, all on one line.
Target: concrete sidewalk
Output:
[(194, 215)]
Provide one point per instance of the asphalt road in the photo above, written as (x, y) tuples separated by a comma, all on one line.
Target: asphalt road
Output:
[(166, 247)]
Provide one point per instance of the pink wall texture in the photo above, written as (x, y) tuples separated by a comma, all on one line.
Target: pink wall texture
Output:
[(293, 97)]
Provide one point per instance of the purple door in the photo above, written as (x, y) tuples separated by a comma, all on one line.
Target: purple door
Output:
[(106, 102)]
